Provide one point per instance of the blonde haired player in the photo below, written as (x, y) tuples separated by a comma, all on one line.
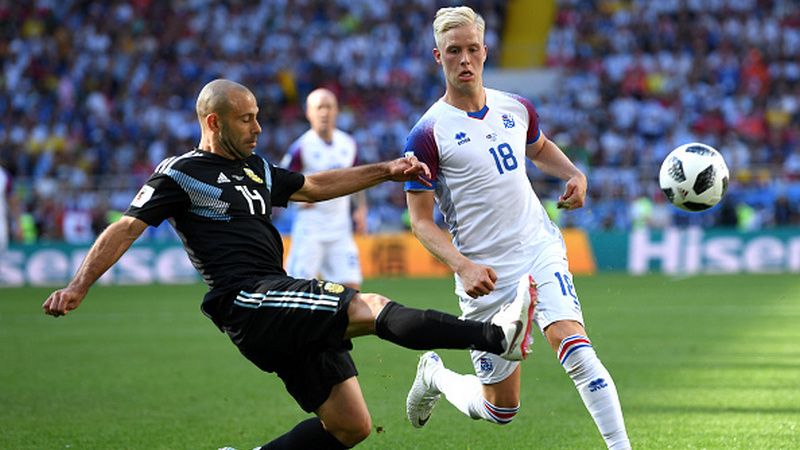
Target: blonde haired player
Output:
[(475, 140)]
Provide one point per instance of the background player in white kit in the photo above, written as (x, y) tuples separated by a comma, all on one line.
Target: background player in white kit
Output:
[(5, 190), (327, 248), (475, 141)]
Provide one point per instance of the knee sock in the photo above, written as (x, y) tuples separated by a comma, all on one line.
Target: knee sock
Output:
[(465, 392), (306, 434), (426, 330), (596, 388)]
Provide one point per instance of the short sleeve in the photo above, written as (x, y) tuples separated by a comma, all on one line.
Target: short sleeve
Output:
[(284, 184), (160, 198), (533, 119), (422, 144)]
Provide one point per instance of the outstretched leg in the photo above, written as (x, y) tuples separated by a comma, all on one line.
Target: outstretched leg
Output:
[(494, 394), (496, 402), (507, 335)]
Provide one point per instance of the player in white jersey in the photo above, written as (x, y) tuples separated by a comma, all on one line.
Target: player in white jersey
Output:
[(5, 182), (501, 244), (327, 248)]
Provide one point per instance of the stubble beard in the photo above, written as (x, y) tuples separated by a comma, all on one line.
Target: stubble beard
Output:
[(230, 147)]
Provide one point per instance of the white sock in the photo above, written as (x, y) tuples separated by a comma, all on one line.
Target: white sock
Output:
[(596, 388), (465, 392)]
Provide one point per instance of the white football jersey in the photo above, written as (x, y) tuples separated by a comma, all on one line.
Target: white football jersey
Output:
[(5, 182), (309, 154), (477, 162)]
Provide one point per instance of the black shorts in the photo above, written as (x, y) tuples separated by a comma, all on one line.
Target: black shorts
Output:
[(296, 329)]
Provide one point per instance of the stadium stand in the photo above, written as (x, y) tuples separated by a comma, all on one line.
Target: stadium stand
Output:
[(94, 94), (642, 77)]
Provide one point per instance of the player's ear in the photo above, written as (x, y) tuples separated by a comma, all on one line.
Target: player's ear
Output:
[(212, 121), (437, 55), (485, 52)]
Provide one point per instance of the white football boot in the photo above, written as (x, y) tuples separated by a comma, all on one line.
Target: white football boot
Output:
[(423, 396), (516, 320)]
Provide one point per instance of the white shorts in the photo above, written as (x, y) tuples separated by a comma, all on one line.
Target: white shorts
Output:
[(333, 260), (557, 300)]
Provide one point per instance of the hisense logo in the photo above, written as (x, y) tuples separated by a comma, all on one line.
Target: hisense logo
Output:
[(692, 250)]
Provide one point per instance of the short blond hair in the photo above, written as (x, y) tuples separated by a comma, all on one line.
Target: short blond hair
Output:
[(448, 18)]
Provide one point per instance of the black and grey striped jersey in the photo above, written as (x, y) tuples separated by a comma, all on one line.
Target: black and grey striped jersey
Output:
[(221, 210)]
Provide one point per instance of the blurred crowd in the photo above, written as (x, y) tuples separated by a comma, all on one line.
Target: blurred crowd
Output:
[(94, 94), (642, 77)]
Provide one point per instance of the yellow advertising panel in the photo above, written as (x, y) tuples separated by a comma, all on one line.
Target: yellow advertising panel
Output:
[(579, 252), (402, 255)]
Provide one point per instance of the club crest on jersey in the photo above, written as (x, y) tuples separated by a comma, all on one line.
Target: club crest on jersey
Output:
[(333, 288), (486, 364), (252, 175), (462, 138), (508, 121)]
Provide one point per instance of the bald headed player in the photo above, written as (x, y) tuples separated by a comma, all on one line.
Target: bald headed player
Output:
[(219, 198), (322, 233)]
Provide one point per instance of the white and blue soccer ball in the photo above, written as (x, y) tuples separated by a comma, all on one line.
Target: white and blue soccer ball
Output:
[(694, 176)]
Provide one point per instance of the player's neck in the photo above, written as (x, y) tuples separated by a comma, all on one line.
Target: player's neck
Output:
[(209, 145), (325, 135), (469, 101)]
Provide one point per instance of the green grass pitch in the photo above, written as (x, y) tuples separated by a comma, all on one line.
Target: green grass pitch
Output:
[(707, 362)]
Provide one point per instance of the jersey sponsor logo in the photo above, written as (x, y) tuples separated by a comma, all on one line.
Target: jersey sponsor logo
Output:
[(222, 178), (508, 121), (462, 138), (252, 175), (333, 288), (144, 194), (596, 385)]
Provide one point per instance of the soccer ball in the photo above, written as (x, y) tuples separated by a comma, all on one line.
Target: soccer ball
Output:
[(694, 177)]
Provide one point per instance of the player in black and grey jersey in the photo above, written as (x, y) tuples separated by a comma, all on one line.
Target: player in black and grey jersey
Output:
[(218, 197)]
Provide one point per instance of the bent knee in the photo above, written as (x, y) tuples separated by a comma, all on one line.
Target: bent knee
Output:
[(501, 415), (375, 302), (558, 331), (354, 432), (366, 307), (362, 312)]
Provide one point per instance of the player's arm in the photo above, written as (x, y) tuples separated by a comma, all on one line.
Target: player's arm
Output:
[(360, 212), (477, 279), (334, 183), (112, 243), (549, 158)]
